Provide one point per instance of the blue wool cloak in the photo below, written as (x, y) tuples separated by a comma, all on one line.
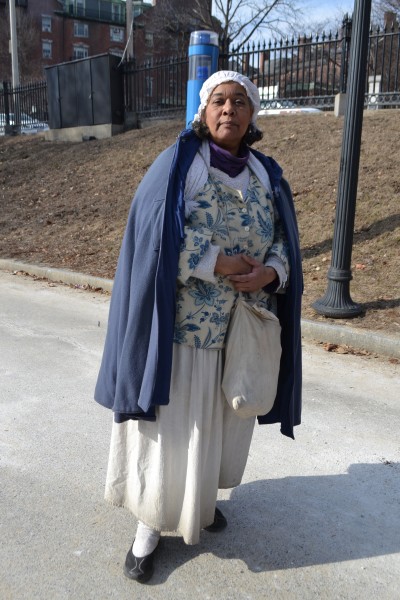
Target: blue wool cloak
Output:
[(135, 371)]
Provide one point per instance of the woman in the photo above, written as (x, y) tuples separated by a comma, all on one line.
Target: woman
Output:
[(210, 219)]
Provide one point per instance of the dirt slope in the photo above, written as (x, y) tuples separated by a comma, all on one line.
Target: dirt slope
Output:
[(65, 204)]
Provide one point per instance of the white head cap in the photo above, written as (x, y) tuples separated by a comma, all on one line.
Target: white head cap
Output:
[(223, 77)]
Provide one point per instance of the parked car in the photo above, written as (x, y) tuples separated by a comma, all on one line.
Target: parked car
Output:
[(277, 103), (282, 106), (28, 124)]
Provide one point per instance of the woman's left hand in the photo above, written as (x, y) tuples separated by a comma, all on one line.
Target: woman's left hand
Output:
[(259, 277)]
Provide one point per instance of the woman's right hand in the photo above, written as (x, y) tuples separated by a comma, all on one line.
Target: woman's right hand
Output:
[(232, 265)]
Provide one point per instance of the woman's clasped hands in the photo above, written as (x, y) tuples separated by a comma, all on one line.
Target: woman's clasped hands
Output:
[(246, 273)]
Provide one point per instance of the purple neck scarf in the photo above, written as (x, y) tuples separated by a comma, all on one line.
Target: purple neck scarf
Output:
[(228, 163)]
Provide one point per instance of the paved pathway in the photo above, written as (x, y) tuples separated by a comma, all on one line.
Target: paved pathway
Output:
[(314, 518)]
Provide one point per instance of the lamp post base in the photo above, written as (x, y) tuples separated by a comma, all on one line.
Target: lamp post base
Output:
[(337, 302)]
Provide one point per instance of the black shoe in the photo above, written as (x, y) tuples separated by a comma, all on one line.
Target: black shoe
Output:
[(139, 569), (219, 522)]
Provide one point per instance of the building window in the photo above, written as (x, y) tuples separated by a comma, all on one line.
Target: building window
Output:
[(149, 39), (46, 49), (116, 34), (137, 10), (81, 29), (81, 51), (80, 8), (46, 24), (116, 12)]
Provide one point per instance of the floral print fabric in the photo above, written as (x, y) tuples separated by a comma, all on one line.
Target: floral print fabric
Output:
[(222, 216)]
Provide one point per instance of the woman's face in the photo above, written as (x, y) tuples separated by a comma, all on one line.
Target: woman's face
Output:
[(228, 115)]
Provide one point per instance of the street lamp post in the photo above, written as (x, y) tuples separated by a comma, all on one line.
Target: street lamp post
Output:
[(129, 28), (13, 45), (14, 127), (337, 302)]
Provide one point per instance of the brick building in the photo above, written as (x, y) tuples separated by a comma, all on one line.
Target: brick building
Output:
[(56, 31)]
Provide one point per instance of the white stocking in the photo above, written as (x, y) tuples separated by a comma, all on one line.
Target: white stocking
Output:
[(146, 540)]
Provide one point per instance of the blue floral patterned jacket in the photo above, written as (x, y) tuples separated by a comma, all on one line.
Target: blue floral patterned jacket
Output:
[(237, 224)]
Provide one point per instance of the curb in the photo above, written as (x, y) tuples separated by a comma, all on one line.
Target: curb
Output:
[(57, 275), (311, 330)]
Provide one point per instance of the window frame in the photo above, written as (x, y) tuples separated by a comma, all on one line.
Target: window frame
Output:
[(85, 26), (47, 29), (80, 6), (121, 31), (80, 48), (49, 44), (149, 39), (116, 12)]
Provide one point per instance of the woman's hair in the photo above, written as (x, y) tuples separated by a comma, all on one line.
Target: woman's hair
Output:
[(253, 134)]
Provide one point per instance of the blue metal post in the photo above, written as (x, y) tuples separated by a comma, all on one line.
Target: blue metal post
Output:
[(203, 62)]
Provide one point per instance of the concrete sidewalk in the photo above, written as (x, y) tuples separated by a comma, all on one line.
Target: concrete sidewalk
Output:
[(314, 518), (311, 330)]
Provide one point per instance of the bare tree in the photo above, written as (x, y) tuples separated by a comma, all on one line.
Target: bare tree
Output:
[(382, 6), (5, 57), (173, 21), (28, 42), (28, 35), (244, 20), (379, 8), (235, 20)]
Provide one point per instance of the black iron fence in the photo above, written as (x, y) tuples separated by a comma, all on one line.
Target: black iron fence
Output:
[(307, 71), (383, 77), (24, 108), (156, 87)]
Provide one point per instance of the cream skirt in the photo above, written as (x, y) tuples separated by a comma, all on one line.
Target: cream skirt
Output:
[(167, 472)]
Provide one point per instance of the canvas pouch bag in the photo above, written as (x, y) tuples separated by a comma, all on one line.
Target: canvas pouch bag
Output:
[(252, 359)]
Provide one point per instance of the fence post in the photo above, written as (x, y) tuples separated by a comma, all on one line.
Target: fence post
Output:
[(8, 128), (346, 40), (224, 53)]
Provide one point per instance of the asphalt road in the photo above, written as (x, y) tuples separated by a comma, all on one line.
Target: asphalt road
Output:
[(315, 518)]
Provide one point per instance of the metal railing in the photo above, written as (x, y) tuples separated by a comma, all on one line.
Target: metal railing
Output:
[(383, 76), (97, 10), (156, 87), (308, 71), (23, 109)]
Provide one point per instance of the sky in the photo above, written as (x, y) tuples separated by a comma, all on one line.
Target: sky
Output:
[(320, 10)]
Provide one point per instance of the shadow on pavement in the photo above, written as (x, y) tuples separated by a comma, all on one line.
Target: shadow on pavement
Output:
[(302, 521)]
